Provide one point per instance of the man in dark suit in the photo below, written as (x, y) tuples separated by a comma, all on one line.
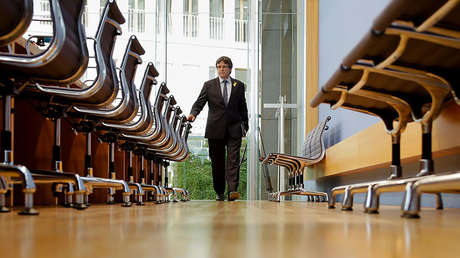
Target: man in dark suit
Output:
[(227, 123)]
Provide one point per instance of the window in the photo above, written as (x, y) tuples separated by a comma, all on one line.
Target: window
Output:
[(241, 20), (191, 7), (216, 19), (212, 72), (44, 15), (102, 4), (190, 18), (84, 16), (242, 9), (216, 8), (170, 16), (136, 15)]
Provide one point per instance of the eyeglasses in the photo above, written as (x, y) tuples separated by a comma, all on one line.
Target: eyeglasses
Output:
[(222, 66)]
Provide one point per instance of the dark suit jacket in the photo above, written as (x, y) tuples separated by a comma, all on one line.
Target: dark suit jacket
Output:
[(221, 118)]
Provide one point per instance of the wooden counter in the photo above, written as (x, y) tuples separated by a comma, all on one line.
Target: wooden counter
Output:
[(371, 148)]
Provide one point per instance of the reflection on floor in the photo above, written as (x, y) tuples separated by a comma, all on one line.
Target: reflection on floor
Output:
[(229, 229)]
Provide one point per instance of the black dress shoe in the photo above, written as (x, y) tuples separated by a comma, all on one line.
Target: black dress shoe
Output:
[(220, 197), (233, 196)]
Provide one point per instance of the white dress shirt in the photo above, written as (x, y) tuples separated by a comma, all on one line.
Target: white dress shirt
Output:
[(229, 87)]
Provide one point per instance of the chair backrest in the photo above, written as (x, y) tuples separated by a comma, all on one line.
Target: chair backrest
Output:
[(129, 65), (127, 108), (169, 107), (156, 130), (154, 113), (164, 120), (178, 149), (174, 143), (418, 12), (148, 80), (176, 118), (313, 147), (108, 30), (104, 87), (65, 59), (167, 123), (406, 31), (15, 18), (144, 118), (180, 130), (366, 77), (186, 154), (144, 96), (160, 98)]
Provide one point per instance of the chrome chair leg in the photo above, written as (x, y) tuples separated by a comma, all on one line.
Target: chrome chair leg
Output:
[(3, 207), (347, 203), (432, 184), (86, 199), (110, 196), (333, 194), (173, 194), (439, 202), (96, 182), (157, 195), (410, 205), (3, 191), (371, 205), (80, 200), (68, 193), (29, 185), (138, 193), (140, 201), (28, 204), (126, 200), (68, 196)]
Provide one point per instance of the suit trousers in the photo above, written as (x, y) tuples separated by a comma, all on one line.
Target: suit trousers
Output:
[(225, 172)]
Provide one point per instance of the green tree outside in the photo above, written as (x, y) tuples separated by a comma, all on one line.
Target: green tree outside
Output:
[(197, 177)]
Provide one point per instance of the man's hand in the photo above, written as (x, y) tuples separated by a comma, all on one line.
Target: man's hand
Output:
[(191, 118), (244, 128)]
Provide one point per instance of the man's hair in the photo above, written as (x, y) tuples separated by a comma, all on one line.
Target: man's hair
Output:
[(226, 61)]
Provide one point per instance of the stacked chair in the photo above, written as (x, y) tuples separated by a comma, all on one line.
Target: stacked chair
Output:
[(15, 19), (109, 106), (313, 152), (403, 70)]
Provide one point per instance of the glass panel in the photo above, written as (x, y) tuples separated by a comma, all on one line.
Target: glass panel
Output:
[(136, 16), (241, 20), (186, 59), (241, 9), (279, 51), (84, 17), (216, 8), (102, 4), (191, 7), (193, 60), (141, 4)]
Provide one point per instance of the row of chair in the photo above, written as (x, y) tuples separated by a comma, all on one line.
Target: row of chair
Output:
[(313, 152), (109, 104), (404, 70)]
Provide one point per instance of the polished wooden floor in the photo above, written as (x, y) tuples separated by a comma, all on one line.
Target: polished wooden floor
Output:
[(228, 229)]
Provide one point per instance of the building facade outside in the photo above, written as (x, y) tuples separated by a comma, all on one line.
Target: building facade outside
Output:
[(183, 38)]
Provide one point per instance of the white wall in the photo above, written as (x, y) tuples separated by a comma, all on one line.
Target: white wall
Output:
[(342, 24)]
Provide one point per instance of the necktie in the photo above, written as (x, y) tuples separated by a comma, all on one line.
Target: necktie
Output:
[(225, 94)]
